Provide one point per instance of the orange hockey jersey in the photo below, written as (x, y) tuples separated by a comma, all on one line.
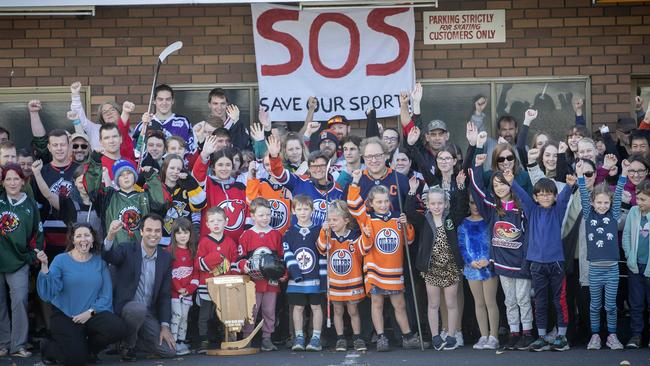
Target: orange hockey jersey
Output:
[(277, 195), (344, 270), (384, 254)]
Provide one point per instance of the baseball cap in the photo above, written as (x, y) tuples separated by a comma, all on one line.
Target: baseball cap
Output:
[(436, 124), (337, 119), (625, 124), (77, 135), (328, 135)]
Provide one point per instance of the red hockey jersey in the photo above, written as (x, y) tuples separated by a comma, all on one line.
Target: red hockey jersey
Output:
[(183, 274), (251, 240), (210, 255)]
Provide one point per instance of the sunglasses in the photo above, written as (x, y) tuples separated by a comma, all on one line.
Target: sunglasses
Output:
[(588, 174), (504, 158), (79, 146)]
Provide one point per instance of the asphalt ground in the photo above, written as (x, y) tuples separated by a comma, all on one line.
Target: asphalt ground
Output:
[(397, 357)]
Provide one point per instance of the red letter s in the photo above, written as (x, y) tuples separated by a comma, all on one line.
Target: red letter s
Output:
[(265, 29), (376, 22)]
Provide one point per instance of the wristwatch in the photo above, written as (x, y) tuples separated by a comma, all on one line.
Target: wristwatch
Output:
[(92, 312)]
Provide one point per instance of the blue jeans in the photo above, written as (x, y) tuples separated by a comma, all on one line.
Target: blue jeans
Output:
[(638, 292)]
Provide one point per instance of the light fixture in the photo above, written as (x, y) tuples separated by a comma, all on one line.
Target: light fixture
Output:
[(48, 11), (368, 4)]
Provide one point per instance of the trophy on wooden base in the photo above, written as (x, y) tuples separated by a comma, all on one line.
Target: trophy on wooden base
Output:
[(234, 299)]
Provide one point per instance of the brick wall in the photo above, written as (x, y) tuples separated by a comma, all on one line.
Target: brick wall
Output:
[(108, 51)]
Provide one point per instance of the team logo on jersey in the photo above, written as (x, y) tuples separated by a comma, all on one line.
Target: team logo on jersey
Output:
[(235, 212), (279, 214), (62, 188), (130, 216), (320, 211), (175, 211), (8, 222), (506, 235), (341, 262), (387, 240), (181, 272), (306, 259)]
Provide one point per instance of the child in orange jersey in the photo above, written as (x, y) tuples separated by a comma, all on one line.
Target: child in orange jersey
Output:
[(383, 258), (344, 270), (278, 196)]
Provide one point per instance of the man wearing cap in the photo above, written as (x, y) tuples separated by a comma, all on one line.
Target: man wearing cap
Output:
[(80, 143), (329, 146)]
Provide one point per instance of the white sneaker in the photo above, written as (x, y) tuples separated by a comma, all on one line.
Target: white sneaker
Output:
[(481, 343), (492, 343), (459, 339), (182, 349), (613, 342), (443, 334), (594, 342), (550, 336)]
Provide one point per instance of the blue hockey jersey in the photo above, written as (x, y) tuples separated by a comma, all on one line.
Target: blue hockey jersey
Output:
[(307, 267)]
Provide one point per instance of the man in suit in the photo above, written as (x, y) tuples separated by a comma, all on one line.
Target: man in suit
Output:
[(142, 288)]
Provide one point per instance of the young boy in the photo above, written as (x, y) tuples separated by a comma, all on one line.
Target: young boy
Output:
[(636, 246), (213, 258), (261, 236), (128, 202), (545, 212), (307, 268)]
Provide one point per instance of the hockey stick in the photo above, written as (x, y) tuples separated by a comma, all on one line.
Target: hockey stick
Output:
[(161, 58), (327, 246), (408, 261)]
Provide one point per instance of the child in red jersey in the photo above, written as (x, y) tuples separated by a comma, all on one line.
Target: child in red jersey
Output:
[(185, 279), (216, 252), (261, 237)]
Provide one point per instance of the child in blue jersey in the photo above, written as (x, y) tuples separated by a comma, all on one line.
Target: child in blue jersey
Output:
[(474, 242), (307, 270), (601, 229), (545, 212)]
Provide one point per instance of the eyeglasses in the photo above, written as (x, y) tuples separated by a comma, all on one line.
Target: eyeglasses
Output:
[(637, 172), (389, 139), (374, 157), (588, 174), (79, 146), (318, 166), (109, 110), (501, 159), (445, 159)]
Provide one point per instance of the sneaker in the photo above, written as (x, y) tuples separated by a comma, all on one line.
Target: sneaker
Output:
[(560, 344), (539, 345), (492, 343), (550, 336), (203, 348), (634, 342), (22, 353), (314, 345), (298, 344), (481, 343), (438, 343), (359, 345), (450, 343), (524, 342), (512, 341), (613, 342), (594, 342), (341, 345), (128, 355), (182, 349), (459, 339), (382, 344), (443, 334), (268, 346), (411, 342)]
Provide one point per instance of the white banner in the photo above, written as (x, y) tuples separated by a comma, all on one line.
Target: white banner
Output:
[(350, 60), (474, 26)]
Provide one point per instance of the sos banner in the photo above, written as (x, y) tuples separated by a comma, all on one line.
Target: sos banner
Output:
[(350, 60)]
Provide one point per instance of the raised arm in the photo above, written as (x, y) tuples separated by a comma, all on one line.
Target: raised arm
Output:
[(52, 198)]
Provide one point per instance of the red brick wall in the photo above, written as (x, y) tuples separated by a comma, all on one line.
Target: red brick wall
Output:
[(108, 51)]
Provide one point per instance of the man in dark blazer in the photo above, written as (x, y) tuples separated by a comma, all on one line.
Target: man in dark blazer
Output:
[(142, 288)]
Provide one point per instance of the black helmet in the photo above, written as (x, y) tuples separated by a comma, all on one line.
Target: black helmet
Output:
[(272, 266)]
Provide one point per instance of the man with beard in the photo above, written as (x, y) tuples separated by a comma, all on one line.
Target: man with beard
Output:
[(80, 147), (54, 150)]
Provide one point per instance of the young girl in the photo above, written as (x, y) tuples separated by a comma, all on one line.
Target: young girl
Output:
[(185, 279), (601, 229), (383, 258), (261, 235), (439, 260), (636, 247), (344, 272), (221, 189), (501, 210), (474, 242)]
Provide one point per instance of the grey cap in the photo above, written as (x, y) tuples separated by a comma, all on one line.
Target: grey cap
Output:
[(436, 124)]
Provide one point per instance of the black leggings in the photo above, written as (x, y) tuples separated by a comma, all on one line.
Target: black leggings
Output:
[(71, 343)]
